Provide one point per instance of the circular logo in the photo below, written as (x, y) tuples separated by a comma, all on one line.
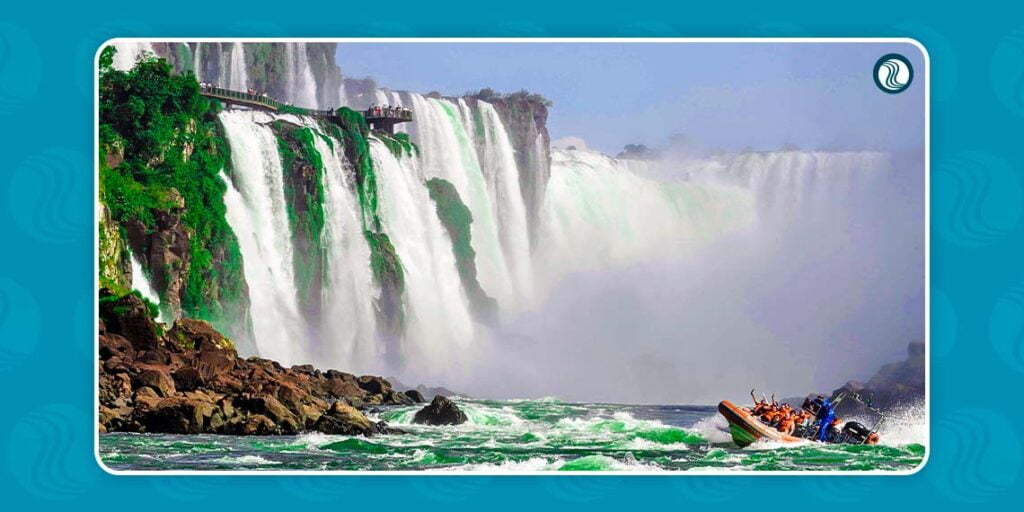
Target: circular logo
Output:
[(893, 73)]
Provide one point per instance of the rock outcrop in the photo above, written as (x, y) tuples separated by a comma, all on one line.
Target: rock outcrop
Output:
[(190, 380), (440, 411), (525, 117), (165, 250), (895, 384)]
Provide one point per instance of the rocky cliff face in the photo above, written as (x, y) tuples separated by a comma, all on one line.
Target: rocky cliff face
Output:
[(268, 67), (525, 117), (895, 384)]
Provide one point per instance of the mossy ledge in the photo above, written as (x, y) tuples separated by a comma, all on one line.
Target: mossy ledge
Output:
[(161, 150), (304, 197), (456, 219), (351, 129)]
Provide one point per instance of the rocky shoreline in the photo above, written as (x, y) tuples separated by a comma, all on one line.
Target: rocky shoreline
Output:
[(190, 380)]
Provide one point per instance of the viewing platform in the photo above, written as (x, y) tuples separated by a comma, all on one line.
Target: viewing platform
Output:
[(384, 119), (378, 118)]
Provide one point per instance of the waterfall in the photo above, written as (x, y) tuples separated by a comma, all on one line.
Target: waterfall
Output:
[(258, 215), (447, 151), (601, 212), (141, 283), (237, 78), (439, 329), (301, 86), (128, 53), (598, 216), (349, 322), (499, 165)]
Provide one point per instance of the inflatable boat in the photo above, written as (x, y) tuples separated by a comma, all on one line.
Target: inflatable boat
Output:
[(746, 429)]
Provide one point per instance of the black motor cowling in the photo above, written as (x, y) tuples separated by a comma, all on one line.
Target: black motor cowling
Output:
[(855, 432)]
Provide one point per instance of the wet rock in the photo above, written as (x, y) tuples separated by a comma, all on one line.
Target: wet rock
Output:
[(157, 379), (178, 415), (130, 317), (415, 396), (187, 379), (254, 425), (440, 411), (198, 335), (344, 419)]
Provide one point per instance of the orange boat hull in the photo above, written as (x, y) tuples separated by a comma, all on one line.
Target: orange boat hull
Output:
[(747, 429)]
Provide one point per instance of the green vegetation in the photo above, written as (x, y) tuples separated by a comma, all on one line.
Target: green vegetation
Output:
[(456, 219), (490, 95), (399, 144), (304, 196), (267, 66), (351, 129), (161, 152), (117, 294)]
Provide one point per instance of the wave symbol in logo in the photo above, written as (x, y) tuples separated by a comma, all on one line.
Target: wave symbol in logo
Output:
[(893, 73)]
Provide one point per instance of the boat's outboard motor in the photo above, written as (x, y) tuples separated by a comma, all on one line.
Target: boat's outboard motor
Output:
[(812, 406), (855, 433)]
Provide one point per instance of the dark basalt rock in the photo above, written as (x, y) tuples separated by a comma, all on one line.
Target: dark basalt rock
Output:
[(441, 411), (192, 381), (343, 419), (416, 396), (129, 316), (895, 384)]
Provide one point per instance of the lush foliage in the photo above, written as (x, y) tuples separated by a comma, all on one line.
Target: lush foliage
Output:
[(160, 150), (489, 95), (304, 197), (351, 129), (399, 144)]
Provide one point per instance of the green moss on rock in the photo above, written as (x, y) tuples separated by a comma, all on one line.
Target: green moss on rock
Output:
[(171, 148), (456, 219)]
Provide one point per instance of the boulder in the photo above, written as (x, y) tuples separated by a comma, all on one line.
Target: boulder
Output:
[(273, 409), (145, 399), (415, 396), (253, 425), (178, 415), (440, 411), (195, 334), (130, 317), (112, 345), (344, 419), (157, 379), (214, 363), (187, 379)]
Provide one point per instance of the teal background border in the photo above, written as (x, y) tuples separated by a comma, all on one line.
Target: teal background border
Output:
[(46, 265)]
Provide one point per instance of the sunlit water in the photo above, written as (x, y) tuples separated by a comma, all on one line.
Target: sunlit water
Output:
[(526, 435)]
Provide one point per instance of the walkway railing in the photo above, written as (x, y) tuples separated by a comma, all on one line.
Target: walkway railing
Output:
[(395, 114)]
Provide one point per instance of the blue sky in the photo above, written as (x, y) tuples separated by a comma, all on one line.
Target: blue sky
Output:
[(723, 96)]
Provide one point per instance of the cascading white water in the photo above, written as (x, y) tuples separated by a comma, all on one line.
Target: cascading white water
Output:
[(257, 213), (141, 283), (600, 211), (129, 52), (440, 331), (447, 151), (237, 78), (301, 86), (499, 165), (349, 321)]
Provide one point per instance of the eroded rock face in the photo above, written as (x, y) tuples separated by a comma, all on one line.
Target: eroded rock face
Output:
[(895, 384), (192, 381), (165, 249), (344, 420), (440, 411), (129, 317)]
